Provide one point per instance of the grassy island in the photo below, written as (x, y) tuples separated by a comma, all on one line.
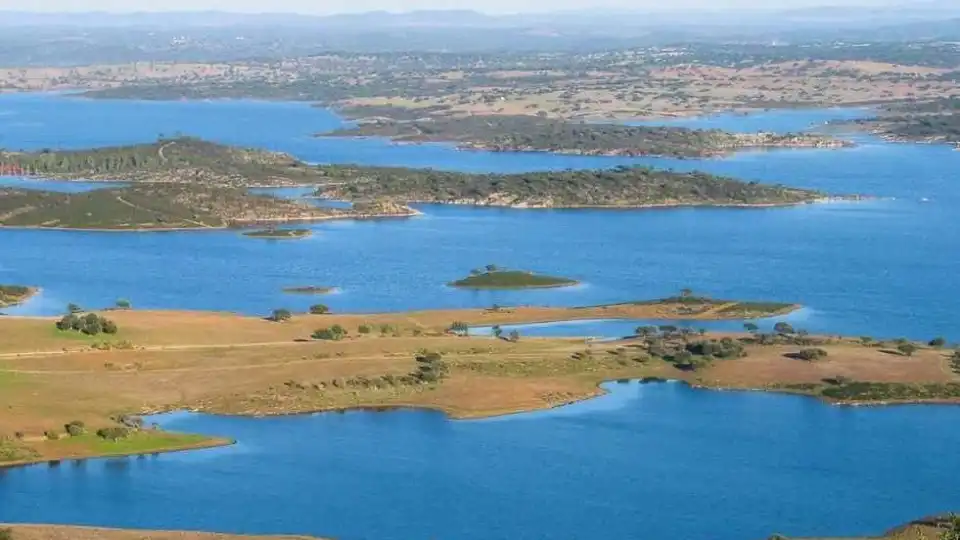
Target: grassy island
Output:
[(159, 206), (279, 234), (622, 187), (933, 121), (510, 279), (11, 295), (231, 364), (500, 133)]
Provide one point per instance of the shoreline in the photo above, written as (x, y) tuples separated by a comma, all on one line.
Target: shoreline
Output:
[(32, 292), (454, 414)]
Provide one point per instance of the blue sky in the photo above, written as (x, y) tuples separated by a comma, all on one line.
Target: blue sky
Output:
[(339, 6)]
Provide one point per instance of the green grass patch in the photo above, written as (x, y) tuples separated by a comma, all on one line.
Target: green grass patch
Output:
[(14, 451), (511, 279), (755, 308), (142, 442)]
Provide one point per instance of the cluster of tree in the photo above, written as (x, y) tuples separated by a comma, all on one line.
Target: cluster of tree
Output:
[(280, 315), (430, 367), (622, 186), (319, 309), (333, 333), (90, 324)]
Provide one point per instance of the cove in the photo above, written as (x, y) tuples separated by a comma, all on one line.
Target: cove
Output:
[(645, 461)]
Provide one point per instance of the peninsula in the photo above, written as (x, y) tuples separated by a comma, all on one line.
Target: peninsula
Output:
[(535, 134), (622, 187), (163, 206), (495, 278), (933, 121), (231, 364), (12, 295)]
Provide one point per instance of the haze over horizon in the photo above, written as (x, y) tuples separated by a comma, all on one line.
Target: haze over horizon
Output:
[(328, 7)]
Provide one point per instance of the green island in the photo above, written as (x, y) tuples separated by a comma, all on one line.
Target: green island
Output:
[(177, 160), (158, 206), (621, 187), (279, 234), (500, 133), (190, 183), (309, 289), (495, 278), (12, 295)]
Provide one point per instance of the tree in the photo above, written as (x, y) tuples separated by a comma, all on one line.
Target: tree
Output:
[(491, 268), (74, 308), (109, 327), (281, 315), (75, 428), (514, 336), (92, 324), (123, 303), (751, 327), (364, 329), (907, 349), (460, 328), (497, 331), (319, 309), (686, 293), (938, 342), (783, 328)]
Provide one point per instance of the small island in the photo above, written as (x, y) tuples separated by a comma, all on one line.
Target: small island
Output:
[(310, 289), (12, 295), (279, 234), (495, 278)]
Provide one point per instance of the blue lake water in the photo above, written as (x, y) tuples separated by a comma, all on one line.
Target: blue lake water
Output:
[(881, 267), (645, 462), (651, 461)]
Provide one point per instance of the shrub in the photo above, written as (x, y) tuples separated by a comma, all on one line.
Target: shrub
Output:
[(514, 336), (907, 349), (812, 355), (113, 433), (319, 309), (751, 327), (68, 322), (646, 331), (430, 367), (281, 315), (938, 342), (123, 303), (334, 333), (75, 428), (364, 329), (497, 331), (109, 327), (51, 435), (74, 308)]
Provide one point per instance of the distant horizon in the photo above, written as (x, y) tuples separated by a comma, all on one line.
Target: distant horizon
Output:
[(489, 7)]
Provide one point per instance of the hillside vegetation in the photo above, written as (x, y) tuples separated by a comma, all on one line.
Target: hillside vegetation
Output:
[(153, 206), (531, 133), (620, 187), (181, 160)]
